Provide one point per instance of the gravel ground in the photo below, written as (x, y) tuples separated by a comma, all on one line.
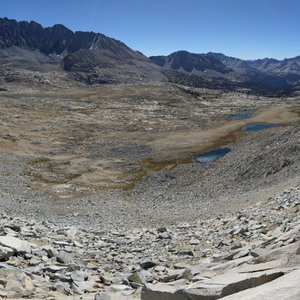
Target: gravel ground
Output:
[(257, 164), (43, 260)]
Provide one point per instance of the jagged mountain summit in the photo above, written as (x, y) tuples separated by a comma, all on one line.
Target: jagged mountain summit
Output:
[(268, 65), (89, 56), (288, 65)]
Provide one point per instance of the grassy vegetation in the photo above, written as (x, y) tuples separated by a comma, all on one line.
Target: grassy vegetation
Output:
[(49, 171)]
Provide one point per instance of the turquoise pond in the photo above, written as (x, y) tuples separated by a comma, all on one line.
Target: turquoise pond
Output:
[(212, 155), (257, 127), (243, 114)]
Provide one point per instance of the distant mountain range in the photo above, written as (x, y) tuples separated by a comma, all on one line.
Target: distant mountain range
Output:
[(94, 58), (263, 74)]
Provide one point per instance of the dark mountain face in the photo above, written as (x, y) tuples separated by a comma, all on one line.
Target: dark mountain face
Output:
[(191, 63), (89, 56), (31, 35), (238, 65), (56, 39)]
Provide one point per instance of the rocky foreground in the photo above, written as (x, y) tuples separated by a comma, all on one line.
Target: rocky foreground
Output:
[(254, 254)]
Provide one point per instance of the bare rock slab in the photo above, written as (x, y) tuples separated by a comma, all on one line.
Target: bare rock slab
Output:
[(215, 288), (230, 283), (116, 296), (16, 244), (286, 287), (162, 291)]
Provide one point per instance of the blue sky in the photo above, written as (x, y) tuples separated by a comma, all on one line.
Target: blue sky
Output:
[(246, 29)]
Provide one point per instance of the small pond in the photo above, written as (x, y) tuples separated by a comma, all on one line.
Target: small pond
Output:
[(212, 155), (243, 114), (257, 127), (240, 117), (248, 111)]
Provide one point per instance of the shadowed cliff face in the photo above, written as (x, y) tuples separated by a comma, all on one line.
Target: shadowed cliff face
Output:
[(32, 35), (56, 39), (89, 56)]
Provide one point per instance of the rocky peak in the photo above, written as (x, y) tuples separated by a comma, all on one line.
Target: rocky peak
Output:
[(88, 56), (56, 39), (33, 36)]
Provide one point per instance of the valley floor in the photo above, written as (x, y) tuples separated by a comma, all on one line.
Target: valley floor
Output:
[(125, 155), (86, 171)]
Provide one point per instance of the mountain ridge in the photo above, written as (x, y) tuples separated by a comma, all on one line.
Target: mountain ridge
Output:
[(264, 74), (94, 58), (55, 39)]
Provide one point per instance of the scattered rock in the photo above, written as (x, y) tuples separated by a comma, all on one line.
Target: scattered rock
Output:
[(5, 253), (161, 262), (147, 264), (66, 258)]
